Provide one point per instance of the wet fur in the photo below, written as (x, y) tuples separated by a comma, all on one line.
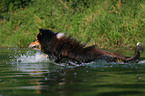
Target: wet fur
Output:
[(64, 49)]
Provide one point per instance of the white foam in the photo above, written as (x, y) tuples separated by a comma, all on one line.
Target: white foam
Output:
[(141, 62), (31, 57)]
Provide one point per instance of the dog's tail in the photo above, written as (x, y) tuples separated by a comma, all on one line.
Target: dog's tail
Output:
[(136, 56)]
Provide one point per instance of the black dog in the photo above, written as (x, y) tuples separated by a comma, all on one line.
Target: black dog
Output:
[(62, 49)]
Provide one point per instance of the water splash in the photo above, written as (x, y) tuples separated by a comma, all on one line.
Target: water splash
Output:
[(141, 62), (30, 57)]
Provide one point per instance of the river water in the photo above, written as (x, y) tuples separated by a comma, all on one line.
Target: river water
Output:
[(24, 72)]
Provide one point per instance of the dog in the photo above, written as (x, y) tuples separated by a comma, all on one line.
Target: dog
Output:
[(62, 49)]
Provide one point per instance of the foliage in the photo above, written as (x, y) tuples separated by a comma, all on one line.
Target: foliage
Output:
[(104, 23), (11, 5)]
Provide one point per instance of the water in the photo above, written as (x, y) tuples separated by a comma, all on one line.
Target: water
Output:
[(24, 72)]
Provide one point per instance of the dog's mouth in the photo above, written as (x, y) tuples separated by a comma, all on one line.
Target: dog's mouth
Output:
[(35, 47)]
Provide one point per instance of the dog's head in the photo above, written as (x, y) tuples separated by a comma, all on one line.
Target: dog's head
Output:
[(43, 37), (35, 44)]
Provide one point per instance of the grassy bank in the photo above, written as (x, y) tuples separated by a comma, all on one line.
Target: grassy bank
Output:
[(105, 23)]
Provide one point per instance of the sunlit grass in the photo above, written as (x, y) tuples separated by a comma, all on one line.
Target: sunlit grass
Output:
[(106, 24)]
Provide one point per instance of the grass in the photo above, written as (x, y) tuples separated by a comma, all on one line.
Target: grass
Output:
[(104, 23)]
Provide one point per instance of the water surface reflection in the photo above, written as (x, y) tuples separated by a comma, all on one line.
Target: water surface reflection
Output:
[(23, 72)]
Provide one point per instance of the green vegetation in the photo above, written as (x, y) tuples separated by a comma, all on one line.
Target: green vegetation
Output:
[(105, 23)]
